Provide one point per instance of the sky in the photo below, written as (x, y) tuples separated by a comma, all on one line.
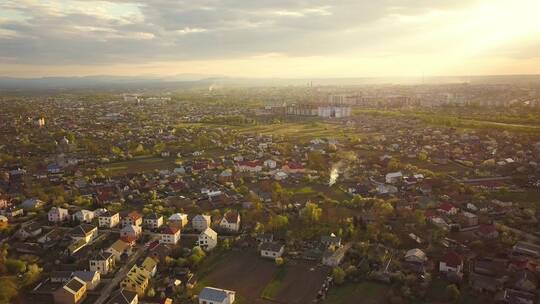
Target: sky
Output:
[(269, 38)]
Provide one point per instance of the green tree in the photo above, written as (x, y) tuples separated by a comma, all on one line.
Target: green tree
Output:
[(311, 212), (338, 275), (452, 292)]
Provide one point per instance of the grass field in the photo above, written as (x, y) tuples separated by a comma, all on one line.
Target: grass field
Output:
[(141, 164), (368, 292), (291, 130)]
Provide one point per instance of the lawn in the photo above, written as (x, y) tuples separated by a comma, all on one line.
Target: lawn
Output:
[(350, 293)]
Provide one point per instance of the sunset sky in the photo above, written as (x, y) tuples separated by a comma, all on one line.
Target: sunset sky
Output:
[(264, 38)]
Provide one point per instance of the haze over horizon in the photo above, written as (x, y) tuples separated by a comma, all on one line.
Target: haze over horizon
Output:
[(282, 39)]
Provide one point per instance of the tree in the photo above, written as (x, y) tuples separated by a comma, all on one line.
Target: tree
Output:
[(279, 261), (316, 161), (197, 255), (452, 292), (279, 222), (311, 212), (15, 266), (151, 293), (8, 290), (338, 275), (32, 274)]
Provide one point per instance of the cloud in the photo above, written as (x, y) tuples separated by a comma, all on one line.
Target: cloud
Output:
[(100, 32)]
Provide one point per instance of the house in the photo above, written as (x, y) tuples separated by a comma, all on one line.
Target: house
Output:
[(416, 256), (83, 216), (280, 175), (468, 219), (208, 239), (178, 220), (513, 296), (201, 222), (487, 231), (4, 222), (12, 211), (483, 283), (150, 265), (270, 164), (103, 262), (230, 221), (451, 262), (526, 280), (123, 296), (293, 168), (118, 249), (57, 215), (130, 233), (331, 240), (136, 280), (76, 245), (29, 231), (333, 257), (211, 295), (84, 232), (153, 221), (91, 278), (527, 249), (393, 177), (265, 237), (169, 235), (32, 204), (447, 209), (60, 276), (73, 292), (133, 218), (248, 166), (272, 250), (109, 219)]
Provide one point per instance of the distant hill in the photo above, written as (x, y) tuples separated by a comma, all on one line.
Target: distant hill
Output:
[(196, 80)]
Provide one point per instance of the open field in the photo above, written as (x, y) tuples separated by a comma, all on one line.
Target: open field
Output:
[(291, 130), (141, 164), (452, 120), (255, 277), (368, 292)]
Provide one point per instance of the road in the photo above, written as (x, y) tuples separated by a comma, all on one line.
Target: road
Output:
[(119, 276)]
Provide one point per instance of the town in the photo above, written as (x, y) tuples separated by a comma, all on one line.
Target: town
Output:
[(294, 194)]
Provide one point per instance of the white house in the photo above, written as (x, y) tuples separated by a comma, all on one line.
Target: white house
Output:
[(270, 163), (83, 216), (103, 262), (179, 220), (201, 222), (91, 278), (248, 166), (109, 219), (394, 177), (230, 221), (130, 232), (57, 215), (153, 221), (211, 295), (169, 235), (272, 250), (208, 239), (84, 232), (451, 262), (280, 175)]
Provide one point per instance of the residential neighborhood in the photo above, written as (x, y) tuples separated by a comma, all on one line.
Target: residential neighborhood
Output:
[(248, 195)]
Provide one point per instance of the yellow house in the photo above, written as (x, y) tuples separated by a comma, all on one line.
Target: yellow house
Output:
[(136, 280), (150, 265), (3, 222), (73, 292)]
